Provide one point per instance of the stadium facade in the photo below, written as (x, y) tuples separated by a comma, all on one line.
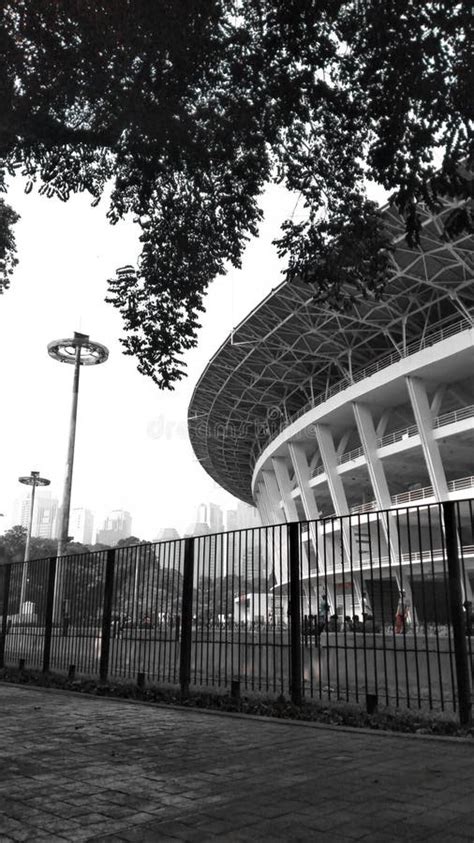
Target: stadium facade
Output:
[(308, 413)]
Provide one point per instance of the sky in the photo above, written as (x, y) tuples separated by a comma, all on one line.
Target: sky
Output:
[(132, 448)]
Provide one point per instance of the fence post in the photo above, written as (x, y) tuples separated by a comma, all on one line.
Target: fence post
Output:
[(457, 614), (186, 617), (107, 615), (7, 570), (295, 612), (48, 621)]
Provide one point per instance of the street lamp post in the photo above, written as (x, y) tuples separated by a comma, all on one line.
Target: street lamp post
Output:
[(78, 351), (32, 480)]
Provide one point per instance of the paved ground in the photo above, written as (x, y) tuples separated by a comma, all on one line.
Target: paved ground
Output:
[(81, 768)]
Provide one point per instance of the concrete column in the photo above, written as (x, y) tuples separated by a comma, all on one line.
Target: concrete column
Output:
[(273, 495), (329, 459), (383, 421), (424, 414), (424, 422), (275, 540), (282, 476), (337, 492), (437, 400), (341, 448), (368, 438), (260, 507), (311, 511), (264, 507), (303, 476)]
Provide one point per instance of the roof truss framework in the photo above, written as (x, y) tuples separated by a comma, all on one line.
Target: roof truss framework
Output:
[(289, 352)]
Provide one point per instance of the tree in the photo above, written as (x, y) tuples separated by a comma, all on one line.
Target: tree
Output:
[(193, 106), (12, 545), (129, 542)]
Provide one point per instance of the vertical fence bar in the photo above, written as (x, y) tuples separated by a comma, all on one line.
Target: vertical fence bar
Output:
[(186, 617), (107, 615), (457, 614), (7, 569), (295, 613), (48, 621)]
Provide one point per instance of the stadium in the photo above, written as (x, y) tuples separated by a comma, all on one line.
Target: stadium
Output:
[(309, 413)]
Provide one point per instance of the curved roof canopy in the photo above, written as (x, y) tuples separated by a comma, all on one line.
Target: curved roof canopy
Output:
[(289, 351)]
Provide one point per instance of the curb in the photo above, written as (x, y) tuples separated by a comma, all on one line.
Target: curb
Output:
[(312, 724)]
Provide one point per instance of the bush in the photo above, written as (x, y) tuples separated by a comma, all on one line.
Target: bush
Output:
[(334, 714)]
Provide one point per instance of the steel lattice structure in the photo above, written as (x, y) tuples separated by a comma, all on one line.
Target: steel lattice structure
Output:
[(290, 354)]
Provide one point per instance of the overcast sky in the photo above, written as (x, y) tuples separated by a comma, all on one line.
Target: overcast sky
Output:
[(132, 448)]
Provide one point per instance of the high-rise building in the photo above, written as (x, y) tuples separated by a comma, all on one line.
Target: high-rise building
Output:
[(241, 552), (45, 516), (81, 525), (169, 550), (212, 515), (243, 518), (167, 534), (209, 552), (216, 518), (118, 525)]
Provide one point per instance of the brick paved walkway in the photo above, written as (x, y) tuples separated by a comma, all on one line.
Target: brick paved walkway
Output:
[(81, 768)]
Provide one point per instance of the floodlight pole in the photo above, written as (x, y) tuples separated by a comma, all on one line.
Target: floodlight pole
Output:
[(79, 351), (32, 480), (66, 501)]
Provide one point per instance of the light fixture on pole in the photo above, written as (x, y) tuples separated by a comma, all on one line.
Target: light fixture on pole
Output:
[(32, 480), (78, 351)]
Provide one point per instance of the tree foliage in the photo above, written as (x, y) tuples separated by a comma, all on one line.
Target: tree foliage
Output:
[(192, 106)]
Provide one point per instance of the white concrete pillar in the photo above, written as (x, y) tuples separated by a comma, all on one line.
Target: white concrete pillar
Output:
[(275, 539), (274, 496), (311, 511), (424, 422), (383, 421), (264, 508), (260, 508), (282, 476), (437, 400), (337, 492), (341, 448), (368, 438), (303, 476), (329, 459), (424, 414)]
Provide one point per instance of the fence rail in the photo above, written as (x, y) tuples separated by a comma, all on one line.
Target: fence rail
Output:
[(372, 606)]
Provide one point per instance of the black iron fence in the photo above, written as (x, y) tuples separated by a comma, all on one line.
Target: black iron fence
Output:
[(372, 608)]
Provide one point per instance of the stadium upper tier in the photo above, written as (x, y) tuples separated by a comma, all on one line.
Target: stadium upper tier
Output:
[(294, 370)]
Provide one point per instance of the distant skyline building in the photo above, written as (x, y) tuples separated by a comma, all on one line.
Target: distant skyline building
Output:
[(167, 534), (118, 525), (209, 551), (241, 550), (242, 518), (169, 552), (81, 525), (45, 516), (212, 515)]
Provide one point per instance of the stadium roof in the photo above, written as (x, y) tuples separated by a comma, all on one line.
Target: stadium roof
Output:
[(290, 352)]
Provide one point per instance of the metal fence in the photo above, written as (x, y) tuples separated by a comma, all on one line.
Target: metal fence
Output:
[(372, 608)]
